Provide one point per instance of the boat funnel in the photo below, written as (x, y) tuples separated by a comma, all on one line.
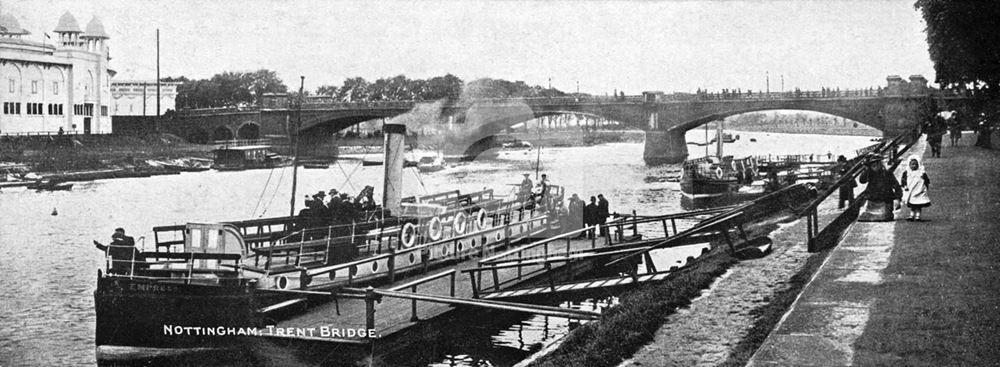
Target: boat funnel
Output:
[(394, 148)]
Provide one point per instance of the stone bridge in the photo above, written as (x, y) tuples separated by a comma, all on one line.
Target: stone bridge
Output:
[(664, 118)]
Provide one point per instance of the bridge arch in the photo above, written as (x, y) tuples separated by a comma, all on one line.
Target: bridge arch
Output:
[(222, 133), (869, 119), (248, 130)]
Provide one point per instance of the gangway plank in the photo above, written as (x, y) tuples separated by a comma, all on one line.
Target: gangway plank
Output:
[(576, 286)]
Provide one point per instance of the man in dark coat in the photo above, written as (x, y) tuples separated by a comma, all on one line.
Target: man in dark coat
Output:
[(847, 189), (882, 190), (590, 215), (122, 252), (602, 211), (575, 216)]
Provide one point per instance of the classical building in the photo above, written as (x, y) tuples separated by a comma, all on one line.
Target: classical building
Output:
[(138, 97), (62, 84)]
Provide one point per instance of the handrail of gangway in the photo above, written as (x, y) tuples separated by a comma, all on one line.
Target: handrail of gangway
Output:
[(500, 305)]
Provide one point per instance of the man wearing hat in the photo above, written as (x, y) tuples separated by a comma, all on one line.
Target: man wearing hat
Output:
[(122, 252), (526, 185), (882, 190)]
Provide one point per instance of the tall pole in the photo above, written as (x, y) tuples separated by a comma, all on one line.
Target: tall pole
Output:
[(294, 137), (767, 81), (157, 80), (782, 82)]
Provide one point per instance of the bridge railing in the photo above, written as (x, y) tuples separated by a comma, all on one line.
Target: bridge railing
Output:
[(591, 99)]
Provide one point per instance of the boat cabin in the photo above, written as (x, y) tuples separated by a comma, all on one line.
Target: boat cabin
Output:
[(249, 156)]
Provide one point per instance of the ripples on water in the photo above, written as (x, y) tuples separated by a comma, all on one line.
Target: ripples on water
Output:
[(50, 266)]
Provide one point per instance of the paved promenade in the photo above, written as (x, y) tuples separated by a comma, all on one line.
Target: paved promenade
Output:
[(908, 293)]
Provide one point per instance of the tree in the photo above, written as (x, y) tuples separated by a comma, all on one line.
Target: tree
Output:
[(963, 38)]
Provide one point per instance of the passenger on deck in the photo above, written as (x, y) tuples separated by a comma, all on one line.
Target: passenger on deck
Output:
[(525, 189), (122, 251), (543, 194)]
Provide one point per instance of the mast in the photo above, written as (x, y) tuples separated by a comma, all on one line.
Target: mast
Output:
[(718, 139), (157, 81), (294, 137), (706, 140)]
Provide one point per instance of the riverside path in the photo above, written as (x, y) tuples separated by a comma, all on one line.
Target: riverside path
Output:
[(908, 293)]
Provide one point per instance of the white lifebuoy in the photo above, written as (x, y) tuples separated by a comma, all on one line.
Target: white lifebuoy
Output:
[(434, 229), (459, 222), (408, 235), (481, 219), (281, 282), (718, 172)]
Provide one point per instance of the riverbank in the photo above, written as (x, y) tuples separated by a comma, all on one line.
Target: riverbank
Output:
[(65, 153), (906, 293)]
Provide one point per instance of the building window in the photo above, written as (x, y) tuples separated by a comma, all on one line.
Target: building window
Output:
[(78, 109), (55, 87), (11, 86), (12, 108), (34, 87), (55, 109), (33, 108), (104, 110)]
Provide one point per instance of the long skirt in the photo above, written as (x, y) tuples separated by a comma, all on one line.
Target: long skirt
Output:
[(876, 211)]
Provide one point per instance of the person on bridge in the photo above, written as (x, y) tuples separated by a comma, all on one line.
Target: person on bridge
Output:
[(882, 191), (915, 185)]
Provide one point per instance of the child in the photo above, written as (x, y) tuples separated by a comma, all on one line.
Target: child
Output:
[(916, 183)]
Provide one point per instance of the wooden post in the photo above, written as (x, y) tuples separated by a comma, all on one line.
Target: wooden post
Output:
[(413, 306), (453, 283), (369, 308), (475, 287), (635, 223), (673, 222), (392, 265)]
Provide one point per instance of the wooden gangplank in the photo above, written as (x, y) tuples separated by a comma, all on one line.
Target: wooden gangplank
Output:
[(392, 315), (576, 286)]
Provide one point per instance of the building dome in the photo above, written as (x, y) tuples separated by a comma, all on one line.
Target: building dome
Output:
[(10, 25), (95, 29), (67, 24)]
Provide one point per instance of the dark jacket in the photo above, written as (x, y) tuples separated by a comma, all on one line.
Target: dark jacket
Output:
[(602, 210), (590, 214), (882, 185)]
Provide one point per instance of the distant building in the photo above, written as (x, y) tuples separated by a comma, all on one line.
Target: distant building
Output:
[(63, 83), (138, 97)]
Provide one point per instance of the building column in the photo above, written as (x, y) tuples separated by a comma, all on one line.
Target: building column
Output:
[(664, 147)]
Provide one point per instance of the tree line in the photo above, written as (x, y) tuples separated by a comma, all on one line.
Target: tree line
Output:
[(963, 39), (243, 89)]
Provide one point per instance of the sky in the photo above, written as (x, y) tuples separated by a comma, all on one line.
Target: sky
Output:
[(604, 46)]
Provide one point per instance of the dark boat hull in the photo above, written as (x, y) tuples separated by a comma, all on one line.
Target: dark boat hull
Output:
[(707, 188), (147, 313)]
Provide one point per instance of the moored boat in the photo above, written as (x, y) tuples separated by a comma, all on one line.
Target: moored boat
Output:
[(234, 278)]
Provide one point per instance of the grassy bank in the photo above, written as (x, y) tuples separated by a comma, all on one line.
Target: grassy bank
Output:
[(626, 327)]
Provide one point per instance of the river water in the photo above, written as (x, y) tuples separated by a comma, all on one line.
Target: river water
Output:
[(50, 266)]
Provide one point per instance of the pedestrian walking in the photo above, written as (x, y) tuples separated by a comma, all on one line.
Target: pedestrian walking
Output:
[(915, 184)]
